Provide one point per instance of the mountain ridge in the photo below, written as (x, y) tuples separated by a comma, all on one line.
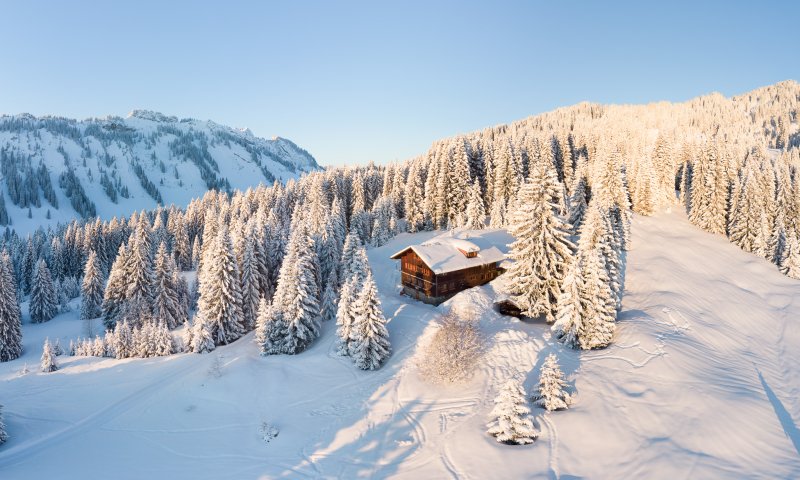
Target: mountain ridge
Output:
[(55, 169)]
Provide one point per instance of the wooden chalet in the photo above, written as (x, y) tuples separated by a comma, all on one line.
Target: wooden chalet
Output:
[(438, 269)]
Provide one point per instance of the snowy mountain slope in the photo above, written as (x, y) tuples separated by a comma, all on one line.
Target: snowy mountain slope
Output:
[(700, 382), (114, 159)]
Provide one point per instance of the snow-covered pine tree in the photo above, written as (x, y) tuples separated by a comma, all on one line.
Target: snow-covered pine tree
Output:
[(270, 329), (181, 249), (43, 301), (3, 433), (195, 253), (358, 269), (550, 393), (599, 307), (10, 323), (569, 308), (114, 295), (220, 302), (28, 266), (777, 241), (329, 301), (542, 247), (249, 283), (167, 305), (578, 201), (369, 339), (791, 259), (351, 245), (122, 341), (511, 421), (413, 198), (476, 212), (296, 299), (344, 316), (202, 340), (48, 363), (92, 288), (139, 277), (382, 213)]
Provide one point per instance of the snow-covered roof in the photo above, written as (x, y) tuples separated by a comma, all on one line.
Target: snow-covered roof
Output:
[(443, 254)]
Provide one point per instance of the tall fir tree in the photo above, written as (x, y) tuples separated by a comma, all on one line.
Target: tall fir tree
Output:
[(3, 433), (168, 305), (369, 339), (542, 247), (599, 320), (220, 303), (92, 288), (790, 266), (139, 276), (570, 306), (476, 212), (550, 392), (116, 286), (10, 322), (249, 282), (43, 301), (511, 420), (296, 301), (357, 271)]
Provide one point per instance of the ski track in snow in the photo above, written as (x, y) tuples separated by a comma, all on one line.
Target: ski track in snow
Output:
[(552, 440), (96, 420)]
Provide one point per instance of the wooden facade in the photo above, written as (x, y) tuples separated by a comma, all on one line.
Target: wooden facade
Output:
[(421, 283)]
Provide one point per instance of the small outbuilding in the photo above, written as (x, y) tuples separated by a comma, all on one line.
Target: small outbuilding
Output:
[(445, 265)]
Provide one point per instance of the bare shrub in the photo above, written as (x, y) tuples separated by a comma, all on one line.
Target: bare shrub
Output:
[(453, 352)]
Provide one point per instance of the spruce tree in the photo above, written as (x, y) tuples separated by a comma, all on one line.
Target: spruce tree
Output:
[(48, 363), (476, 212), (578, 203), (541, 249), (328, 305), (351, 245), (599, 314), (202, 337), (791, 262), (220, 303), (357, 270), (550, 393), (43, 302), (114, 294), (344, 316), (92, 288), (270, 329), (296, 299), (168, 306), (10, 323), (570, 306), (3, 434), (123, 345), (369, 339), (139, 277), (249, 283), (511, 420)]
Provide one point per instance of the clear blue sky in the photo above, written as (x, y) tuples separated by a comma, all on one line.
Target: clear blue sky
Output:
[(374, 80)]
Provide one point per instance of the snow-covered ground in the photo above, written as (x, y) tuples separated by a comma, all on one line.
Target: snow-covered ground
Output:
[(701, 382)]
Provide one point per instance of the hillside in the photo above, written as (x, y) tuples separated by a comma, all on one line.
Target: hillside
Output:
[(115, 166), (701, 381)]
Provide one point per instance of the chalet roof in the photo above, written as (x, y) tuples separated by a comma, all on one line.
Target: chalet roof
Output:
[(441, 254)]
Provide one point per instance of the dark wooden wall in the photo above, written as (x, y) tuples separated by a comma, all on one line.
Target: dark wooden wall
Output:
[(417, 275)]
